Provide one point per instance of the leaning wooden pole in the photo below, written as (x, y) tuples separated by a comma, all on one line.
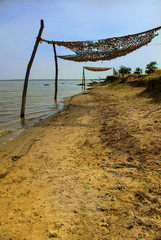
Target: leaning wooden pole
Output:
[(56, 72), (28, 70)]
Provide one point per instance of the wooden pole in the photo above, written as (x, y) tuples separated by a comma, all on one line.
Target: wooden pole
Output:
[(28, 70), (56, 72), (83, 79)]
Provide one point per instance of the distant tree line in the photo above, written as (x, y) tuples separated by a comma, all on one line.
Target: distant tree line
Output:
[(150, 68)]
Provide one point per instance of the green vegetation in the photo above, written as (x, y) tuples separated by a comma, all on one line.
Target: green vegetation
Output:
[(150, 82), (114, 84), (110, 79), (124, 70), (125, 74), (138, 71), (151, 67)]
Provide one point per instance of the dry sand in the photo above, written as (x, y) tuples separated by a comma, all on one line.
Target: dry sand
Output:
[(90, 172)]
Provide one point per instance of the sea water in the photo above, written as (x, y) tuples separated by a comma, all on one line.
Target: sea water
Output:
[(39, 103)]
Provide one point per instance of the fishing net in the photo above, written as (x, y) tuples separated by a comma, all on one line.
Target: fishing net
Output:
[(106, 49), (96, 69)]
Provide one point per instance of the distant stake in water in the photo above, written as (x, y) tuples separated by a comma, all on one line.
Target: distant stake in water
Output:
[(29, 68)]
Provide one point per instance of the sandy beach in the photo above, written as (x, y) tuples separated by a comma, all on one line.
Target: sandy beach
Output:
[(91, 172)]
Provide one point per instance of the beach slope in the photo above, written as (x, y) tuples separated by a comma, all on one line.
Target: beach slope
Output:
[(89, 172)]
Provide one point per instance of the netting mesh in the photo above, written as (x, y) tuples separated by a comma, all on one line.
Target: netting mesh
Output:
[(96, 69), (106, 49)]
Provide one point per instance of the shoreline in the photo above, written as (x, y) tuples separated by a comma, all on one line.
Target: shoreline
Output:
[(91, 171), (26, 136), (12, 125), (11, 134)]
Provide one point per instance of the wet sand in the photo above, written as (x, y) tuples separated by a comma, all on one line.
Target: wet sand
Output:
[(89, 172)]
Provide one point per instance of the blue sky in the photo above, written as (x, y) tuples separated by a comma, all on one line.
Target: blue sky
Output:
[(72, 20)]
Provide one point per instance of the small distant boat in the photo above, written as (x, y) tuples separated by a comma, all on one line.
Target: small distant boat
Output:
[(46, 84)]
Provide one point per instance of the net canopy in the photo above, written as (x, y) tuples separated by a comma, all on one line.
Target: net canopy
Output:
[(106, 49), (96, 69)]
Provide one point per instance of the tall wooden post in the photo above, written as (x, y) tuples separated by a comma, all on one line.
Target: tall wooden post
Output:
[(56, 72), (28, 70), (83, 79)]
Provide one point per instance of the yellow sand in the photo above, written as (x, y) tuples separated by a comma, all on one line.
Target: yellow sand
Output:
[(90, 172)]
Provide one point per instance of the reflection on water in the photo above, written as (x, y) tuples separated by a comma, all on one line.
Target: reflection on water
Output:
[(40, 103)]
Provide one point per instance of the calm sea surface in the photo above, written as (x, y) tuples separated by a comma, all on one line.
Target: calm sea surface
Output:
[(40, 103)]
